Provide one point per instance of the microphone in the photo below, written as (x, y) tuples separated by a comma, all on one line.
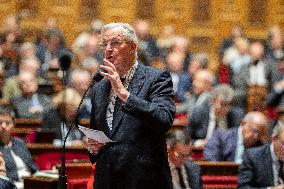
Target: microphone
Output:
[(97, 77), (62, 182), (65, 58)]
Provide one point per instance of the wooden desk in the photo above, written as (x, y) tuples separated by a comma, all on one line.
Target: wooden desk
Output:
[(77, 170), (40, 182), (27, 123), (37, 149), (219, 168)]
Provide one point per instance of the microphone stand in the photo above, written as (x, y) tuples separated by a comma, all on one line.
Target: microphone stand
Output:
[(62, 181)]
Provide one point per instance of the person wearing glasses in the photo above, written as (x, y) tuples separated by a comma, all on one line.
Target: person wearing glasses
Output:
[(133, 105), (262, 167), (18, 160), (229, 144), (185, 173)]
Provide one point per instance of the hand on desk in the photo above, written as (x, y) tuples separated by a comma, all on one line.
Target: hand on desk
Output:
[(93, 146)]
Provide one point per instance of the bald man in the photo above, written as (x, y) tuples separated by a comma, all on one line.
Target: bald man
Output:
[(229, 144)]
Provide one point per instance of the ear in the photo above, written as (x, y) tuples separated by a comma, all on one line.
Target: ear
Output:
[(133, 47)]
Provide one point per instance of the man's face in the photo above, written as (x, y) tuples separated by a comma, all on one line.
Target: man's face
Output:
[(6, 125), (200, 84), (118, 50), (180, 154), (221, 107), (252, 132), (28, 85)]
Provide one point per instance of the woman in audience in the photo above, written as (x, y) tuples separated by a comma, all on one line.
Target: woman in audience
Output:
[(62, 117)]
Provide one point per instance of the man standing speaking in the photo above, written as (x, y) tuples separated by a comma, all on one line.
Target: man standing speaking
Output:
[(133, 105)]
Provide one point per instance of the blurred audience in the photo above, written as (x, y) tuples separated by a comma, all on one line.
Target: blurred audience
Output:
[(257, 74), (148, 50), (5, 182), (80, 81), (217, 113), (62, 117), (229, 144), (198, 62), (274, 48), (228, 42), (201, 92), (30, 104)]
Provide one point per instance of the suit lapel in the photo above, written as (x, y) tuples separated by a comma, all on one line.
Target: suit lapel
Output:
[(102, 101), (134, 87)]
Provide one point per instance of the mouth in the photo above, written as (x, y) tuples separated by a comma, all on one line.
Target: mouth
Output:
[(110, 58)]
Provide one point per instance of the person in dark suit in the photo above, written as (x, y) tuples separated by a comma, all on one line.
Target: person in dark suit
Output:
[(229, 144), (5, 182), (185, 173), (18, 160), (216, 113), (30, 104), (262, 167), (135, 113)]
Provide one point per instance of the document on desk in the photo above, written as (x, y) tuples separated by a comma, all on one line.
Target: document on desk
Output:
[(96, 135)]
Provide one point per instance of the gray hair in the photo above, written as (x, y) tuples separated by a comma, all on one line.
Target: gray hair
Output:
[(202, 59), (126, 29), (178, 136), (223, 92)]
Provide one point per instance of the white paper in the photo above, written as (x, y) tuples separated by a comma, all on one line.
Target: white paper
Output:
[(96, 135)]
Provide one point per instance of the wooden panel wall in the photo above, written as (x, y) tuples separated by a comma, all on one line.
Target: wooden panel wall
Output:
[(205, 22)]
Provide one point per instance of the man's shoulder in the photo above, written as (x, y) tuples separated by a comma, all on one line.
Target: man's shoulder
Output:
[(151, 71), (260, 150)]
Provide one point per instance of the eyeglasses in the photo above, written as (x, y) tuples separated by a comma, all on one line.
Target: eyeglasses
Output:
[(113, 44), (7, 123)]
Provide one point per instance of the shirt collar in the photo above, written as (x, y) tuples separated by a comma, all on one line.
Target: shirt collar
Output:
[(131, 71), (273, 155)]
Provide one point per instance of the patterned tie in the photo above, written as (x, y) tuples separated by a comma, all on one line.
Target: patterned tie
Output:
[(110, 108)]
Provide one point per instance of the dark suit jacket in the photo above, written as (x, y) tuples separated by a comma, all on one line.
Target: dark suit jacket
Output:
[(222, 145), (20, 149), (194, 175), (138, 158), (21, 105), (5, 184), (256, 170), (199, 120)]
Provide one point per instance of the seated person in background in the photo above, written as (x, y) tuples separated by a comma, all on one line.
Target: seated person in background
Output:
[(229, 144), (80, 81), (217, 113), (185, 173), (18, 160), (201, 92), (262, 167), (5, 182), (62, 116), (30, 104)]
